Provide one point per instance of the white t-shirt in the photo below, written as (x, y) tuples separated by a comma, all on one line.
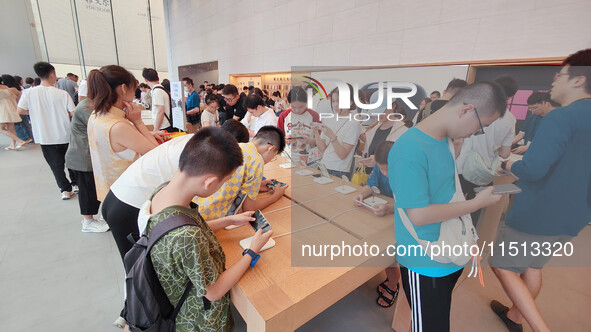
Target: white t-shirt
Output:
[(266, 119), (213, 119), (49, 109), (347, 132), (83, 89), (499, 133), (140, 179), (160, 98)]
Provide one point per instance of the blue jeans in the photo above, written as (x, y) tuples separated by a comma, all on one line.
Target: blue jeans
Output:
[(23, 128)]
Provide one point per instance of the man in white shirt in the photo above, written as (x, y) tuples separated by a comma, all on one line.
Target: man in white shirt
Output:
[(160, 102), (497, 137), (262, 115), (50, 110), (82, 90)]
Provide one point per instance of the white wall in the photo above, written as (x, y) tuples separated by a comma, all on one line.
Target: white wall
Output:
[(17, 53), (251, 36)]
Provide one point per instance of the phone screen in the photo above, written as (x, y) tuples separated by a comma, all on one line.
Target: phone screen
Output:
[(260, 222)]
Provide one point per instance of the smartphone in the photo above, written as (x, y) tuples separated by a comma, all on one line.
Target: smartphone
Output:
[(501, 189), (274, 183), (260, 222), (236, 204)]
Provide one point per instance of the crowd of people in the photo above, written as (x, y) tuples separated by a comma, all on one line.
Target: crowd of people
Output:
[(430, 163)]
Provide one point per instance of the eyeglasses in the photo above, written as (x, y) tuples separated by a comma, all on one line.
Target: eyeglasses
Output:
[(229, 99), (481, 132), (558, 74)]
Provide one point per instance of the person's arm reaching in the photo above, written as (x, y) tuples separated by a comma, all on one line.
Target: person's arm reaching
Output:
[(504, 151), (518, 137), (159, 117), (230, 277), (240, 219), (261, 203), (546, 149), (440, 212)]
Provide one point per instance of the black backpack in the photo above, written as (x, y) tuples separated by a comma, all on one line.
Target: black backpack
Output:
[(147, 308)]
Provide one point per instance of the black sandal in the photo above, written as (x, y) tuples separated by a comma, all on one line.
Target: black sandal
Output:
[(389, 291)]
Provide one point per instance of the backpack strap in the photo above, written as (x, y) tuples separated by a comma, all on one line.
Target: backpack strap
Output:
[(162, 228), (169, 103), (167, 225)]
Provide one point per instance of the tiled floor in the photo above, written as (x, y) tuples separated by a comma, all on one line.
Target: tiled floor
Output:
[(53, 277)]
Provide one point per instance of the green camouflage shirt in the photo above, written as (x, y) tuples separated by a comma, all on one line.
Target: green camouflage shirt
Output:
[(191, 253)]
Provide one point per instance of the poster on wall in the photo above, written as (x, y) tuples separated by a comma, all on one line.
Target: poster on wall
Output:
[(178, 114)]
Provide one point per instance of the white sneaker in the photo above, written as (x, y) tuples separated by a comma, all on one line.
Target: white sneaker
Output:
[(75, 189), (94, 226), (66, 195)]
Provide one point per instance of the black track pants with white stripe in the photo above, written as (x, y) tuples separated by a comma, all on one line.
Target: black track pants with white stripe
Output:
[(429, 299)]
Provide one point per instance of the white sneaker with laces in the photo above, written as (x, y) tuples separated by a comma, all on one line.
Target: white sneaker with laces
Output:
[(94, 226), (75, 189), (66, 195)]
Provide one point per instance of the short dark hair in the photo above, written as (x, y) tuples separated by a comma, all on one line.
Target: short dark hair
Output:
[(541, 97), (296, 94), (271, 135), (455, 84), (211, 150), (144, 86), (382, 151), (150, 74), (37, 81), (210, 98), (237, 129), (436, 92), (509, 85), (580, 65), (244, 88), (487, 97), (29, 80), (221, 86), (252, 101), (43, 69), (69, 74), (278, 94), (10, 81), (188, 80), (230, 89)]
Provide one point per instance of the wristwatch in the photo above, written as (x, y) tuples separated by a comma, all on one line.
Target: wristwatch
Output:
[(255, 257), (504, 165)]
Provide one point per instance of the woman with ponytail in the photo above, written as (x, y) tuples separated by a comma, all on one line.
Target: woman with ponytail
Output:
[(117, 135)]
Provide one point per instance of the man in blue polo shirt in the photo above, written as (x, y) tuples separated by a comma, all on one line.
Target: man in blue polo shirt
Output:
[(422, 177), (192, 105), (555, 202)]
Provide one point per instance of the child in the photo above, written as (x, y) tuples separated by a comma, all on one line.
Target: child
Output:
[(388, 290), (210, 118), (422, 178), (262, 116), (193, 253)]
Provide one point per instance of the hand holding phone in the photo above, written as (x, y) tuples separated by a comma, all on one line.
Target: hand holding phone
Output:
[(260, 222)]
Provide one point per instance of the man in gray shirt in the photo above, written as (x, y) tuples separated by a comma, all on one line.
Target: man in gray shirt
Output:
[(68, 84)]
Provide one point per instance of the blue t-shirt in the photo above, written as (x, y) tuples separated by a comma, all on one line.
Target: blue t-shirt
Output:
[(191, 103), (555, 175), (530, 127), (421, 173), (377, 179)]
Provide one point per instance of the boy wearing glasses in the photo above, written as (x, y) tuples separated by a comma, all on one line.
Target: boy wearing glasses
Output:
[(422, 177)]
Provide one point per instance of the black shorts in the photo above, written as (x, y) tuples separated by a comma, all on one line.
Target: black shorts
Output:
[(429, 299)]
